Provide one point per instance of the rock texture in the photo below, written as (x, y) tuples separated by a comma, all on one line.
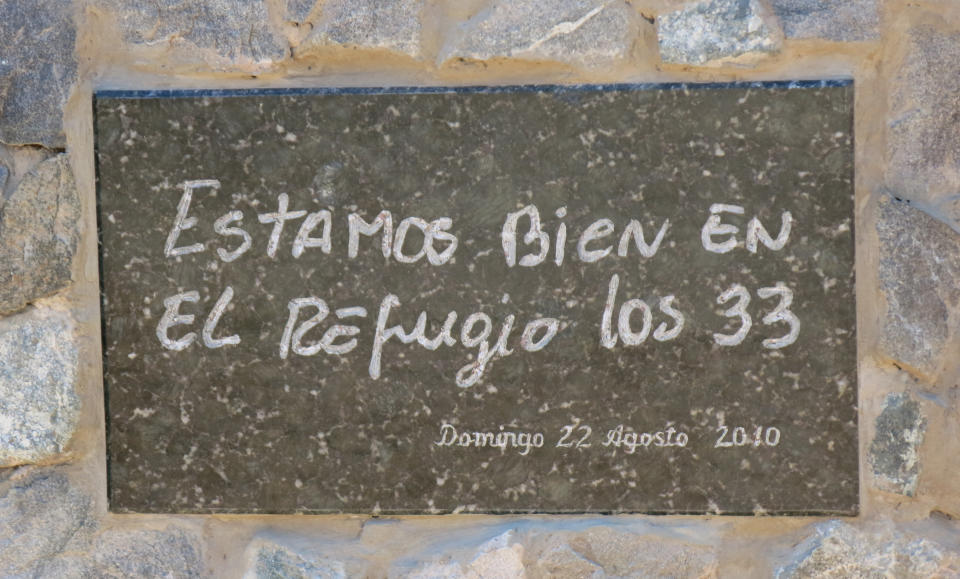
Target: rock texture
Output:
[(919, 274), (575, 32), (232, 31), (895, 450), (271, 561), (386, 24), (4, 173), (594, 552), (714, 31), (171, 552), (923, 135), (299, 10), (48, 529), (39, 231), (839, 550), (37, 70), (39, 406), (838, 20), (41, 515)]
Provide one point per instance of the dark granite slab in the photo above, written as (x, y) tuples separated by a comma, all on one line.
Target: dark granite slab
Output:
[(218, 402)]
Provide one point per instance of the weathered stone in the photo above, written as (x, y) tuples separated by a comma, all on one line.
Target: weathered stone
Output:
[(4, 173), (272, 561), (501, 556), (919, 273), (714, 31), (235, 30), (67, 567), (839, 20), (576, 32), (37, 70), (595, 552), (38, 369), (299, 10), (841, 550), (384, 24), (172, 552), (39, 231), (41, 515), (923, 134), (606, 552), (894, 452)]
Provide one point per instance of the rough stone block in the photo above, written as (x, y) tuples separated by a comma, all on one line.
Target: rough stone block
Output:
[(172, 552), (268, 560), (39, 406), (895, 450), (594, 552), (716, 31), (577, 32), (621, 554), (841, 550), (299, 10), (838, 20), (501, 556), (37, 70), (41, 515), (919, 274), (39, 231), (385, 24), (4, 173), (234, 30), (923, 134)]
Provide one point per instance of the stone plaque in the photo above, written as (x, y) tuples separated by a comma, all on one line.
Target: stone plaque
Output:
[(510, 300)]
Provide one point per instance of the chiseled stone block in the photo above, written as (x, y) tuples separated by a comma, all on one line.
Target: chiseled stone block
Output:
[(231, 31), (919, 274), (576, 32), (39, 232), (895, 450), (923, 128), (37, 70), (385, 24), (714, 31), (838, 20), (39, 406)]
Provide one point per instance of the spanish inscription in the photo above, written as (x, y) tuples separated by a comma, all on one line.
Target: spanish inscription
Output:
[(522, 299)]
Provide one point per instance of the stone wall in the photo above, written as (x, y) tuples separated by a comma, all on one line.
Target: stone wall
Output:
[(905, 59)]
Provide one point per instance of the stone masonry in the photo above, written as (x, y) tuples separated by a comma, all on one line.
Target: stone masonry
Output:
[(904, 57)]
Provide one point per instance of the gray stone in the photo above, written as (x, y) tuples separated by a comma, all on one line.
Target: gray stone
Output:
[(39, 231), (501, 556), (714, 31), (271, 561), (299, 10), (923, 134), (576, 32), (37, 70), (236, 30), (171, 552), (624, 554), (895, 450), (838, 550), (39, 406), (838, 20), (919, 273), (67, 567), (41, 515), (594, 552), (385, 24), (4, 173)]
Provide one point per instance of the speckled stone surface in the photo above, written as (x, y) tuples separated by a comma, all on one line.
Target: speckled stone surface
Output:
[(614, 413)]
